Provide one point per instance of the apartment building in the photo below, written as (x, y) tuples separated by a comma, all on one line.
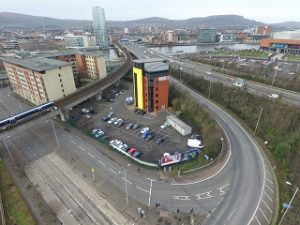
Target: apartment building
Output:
[(92, 64), (40, 79)]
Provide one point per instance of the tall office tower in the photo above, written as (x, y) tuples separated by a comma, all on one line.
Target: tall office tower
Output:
[(151, 84), (99, 22)]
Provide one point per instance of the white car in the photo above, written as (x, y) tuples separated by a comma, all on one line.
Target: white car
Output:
[(239, 83), (112, 120), (118, 121), (164, 125), (145, 129), (273, 95)]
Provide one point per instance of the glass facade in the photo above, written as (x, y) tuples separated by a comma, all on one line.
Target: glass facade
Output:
[(99, 23)]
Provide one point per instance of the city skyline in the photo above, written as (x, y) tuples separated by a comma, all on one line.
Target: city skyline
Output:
[(132, 9)]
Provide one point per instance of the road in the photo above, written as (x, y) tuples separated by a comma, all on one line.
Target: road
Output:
[(202, 70)]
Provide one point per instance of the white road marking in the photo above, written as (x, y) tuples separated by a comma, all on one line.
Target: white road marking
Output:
[(182, 198), (126, 180), (101, 162), (268, 197), (269, 188), (91, 155), (204, 195), (264, 215), (269, 180), (267, 206), (73, 142), (82, 148), (142, 189), (213, 210), (221, 189), (257, 220), (114, 172)]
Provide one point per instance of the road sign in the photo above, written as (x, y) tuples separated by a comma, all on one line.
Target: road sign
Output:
[(286, 206)]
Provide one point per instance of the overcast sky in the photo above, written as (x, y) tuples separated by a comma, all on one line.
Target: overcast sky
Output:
[(268, 11)]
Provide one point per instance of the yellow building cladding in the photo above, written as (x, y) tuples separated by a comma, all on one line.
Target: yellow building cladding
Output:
[(138, 88)]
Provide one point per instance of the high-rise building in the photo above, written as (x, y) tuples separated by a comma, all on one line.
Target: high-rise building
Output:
[(40, 79), (151, 84), (99, 23)]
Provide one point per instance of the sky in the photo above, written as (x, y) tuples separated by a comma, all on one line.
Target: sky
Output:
[(267, 11)]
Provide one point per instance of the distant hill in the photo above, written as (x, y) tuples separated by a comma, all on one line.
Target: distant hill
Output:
[(290, 24), (16, 20)]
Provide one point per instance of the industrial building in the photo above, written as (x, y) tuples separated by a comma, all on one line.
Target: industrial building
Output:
[(207, 35), (151, 84), (99, 23), (40, 79), (287, 46), (179, 125)]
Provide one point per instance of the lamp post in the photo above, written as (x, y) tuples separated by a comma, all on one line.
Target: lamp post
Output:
[(290, 203), (180, 73), (260, 113), (209, 88)]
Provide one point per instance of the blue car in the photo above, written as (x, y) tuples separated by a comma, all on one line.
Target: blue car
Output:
[(145, 134)]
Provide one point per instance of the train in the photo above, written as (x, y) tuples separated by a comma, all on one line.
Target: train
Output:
[(23, 116)]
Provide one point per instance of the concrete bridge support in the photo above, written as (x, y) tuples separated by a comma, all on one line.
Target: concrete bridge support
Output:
[(99, 96), (64, 115), (117, 84)]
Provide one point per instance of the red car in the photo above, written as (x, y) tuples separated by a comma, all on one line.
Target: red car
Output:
[(132, 151)]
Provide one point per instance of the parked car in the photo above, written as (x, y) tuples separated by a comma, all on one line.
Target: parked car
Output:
[(132, 151), (145, 134), (111, 114), (160, 140), (85, 111), (129, 126), (137, 154), (164, 125), (121, 124), (145, 129), (143, 112), (105, 118), (135, 126), (118, 121), (95, 130), (88, 116), (150, 136), (112, 120), (135, 110), (124, 147)]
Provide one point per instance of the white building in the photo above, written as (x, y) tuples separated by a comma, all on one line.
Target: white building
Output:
[(95, 65), (79, 41), (179, 125), (294, 35)]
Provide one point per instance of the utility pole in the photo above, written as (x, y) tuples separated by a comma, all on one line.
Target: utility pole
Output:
[(261, 110), (209, 88)]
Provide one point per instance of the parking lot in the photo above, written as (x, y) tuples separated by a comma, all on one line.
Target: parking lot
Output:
[(151, 151)]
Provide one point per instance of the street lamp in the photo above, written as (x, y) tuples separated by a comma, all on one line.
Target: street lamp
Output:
[(223, 65), (209, 88), (290, 203), (180, 73)]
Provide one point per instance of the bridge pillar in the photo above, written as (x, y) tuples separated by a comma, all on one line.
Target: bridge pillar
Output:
[(117, 84), (99, 96), (64, 115)]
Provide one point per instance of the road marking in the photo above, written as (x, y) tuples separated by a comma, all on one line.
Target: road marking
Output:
[(267, 206), (204, 195), (82, 148), (142, 189), (268, 197), (126, 180), (182, 198), (264, 215), (221, 189), (269, 180), (114, 172), (213, 210), (269, 188), (73, 142), (257, 220), (101, 162), (91, 155)]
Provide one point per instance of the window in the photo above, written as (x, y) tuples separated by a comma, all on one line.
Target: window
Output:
[(60, 80), (63, 90), (60, 68), (156, 107), (156, 89), (156, 101), (62, 85), (156, 95), (59, 75)]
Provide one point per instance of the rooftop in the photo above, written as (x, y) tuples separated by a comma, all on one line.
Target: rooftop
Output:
[(267, 42), (60, 53), (37, 64), (156, 67), (92, 53)]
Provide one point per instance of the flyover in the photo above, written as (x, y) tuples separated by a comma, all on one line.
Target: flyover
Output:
[(252, 197)]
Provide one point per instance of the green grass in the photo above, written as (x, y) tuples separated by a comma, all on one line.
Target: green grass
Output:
[(15, 208), (293, 57)]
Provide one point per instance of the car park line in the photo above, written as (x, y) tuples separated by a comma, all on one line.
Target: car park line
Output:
[(267, 206), (268, 196), (142, 189), (264, 215), (126, 180), (101, 162), (257, 220), (181, 198)]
